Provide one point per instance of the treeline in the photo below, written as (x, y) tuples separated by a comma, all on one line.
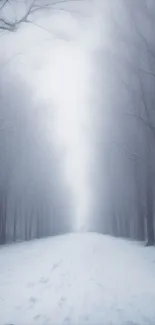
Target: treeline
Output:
[(124, 185), (34, 199)]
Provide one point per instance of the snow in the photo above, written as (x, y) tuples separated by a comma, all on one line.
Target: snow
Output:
[(80, 278)]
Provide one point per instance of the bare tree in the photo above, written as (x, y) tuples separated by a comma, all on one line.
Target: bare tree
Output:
[(127, 98), (30, 7), (143, 67), (28, 189)]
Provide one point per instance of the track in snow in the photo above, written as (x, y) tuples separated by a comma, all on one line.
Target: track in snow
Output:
[(77, 279)]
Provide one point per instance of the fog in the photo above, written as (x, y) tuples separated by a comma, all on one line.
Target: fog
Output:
[(45, 146), (77, 162), (77, 118), (124, 121)]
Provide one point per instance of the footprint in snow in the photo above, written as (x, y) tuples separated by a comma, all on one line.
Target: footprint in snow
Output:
[(31, 284), (44, 280), (33, 300), (44, 319), (55, 266), (36, 317), (131, 323), (62, 301), (67, 320)]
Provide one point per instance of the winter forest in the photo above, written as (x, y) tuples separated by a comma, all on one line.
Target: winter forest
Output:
[(77, 156)]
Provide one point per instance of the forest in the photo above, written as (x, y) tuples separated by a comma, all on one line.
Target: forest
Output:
[(35, 199), (77, 162)]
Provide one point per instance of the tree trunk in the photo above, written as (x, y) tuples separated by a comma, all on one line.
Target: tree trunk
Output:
[(150, 230), (150, 211)]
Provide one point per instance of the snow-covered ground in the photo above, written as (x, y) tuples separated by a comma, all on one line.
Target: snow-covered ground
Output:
[(77, 279)]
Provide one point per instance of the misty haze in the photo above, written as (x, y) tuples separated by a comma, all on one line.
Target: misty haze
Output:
[(77, 162)]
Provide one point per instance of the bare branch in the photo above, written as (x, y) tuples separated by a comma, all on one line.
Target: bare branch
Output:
[(129, 154), (3, 5), (143, 120), (5, 127), (142, 37), (9, 25)]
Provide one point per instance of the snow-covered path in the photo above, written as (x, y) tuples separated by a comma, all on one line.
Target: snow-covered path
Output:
[(77, 279)]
